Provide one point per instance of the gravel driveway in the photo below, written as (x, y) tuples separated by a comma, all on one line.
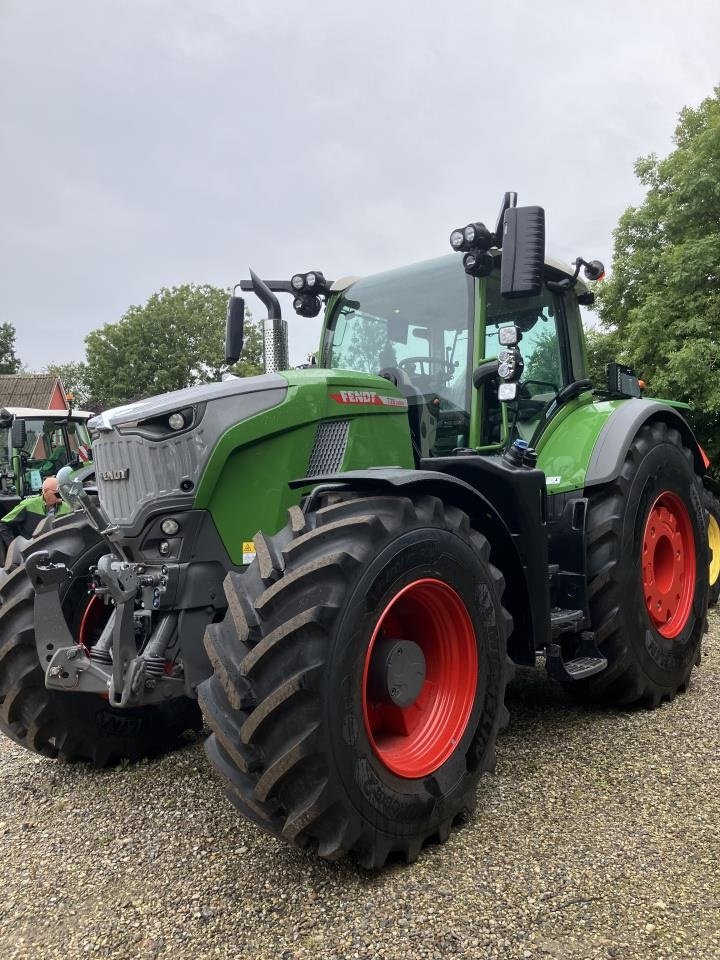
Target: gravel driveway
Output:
[(597, 838)]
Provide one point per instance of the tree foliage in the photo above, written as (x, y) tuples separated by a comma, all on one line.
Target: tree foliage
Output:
[(175, 340), (74, 376), (603, 346), (663, 298), (9, 363)]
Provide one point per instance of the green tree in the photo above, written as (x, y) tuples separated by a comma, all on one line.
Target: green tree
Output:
[(74, 376), (663, 298), (603, 346), (175, 340), (9, 363)]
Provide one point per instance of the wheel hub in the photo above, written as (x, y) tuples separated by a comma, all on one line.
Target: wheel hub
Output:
[(418, 693), (668, 565), (397, 672)]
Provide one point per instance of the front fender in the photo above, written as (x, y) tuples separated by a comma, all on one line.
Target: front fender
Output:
[(505, 505)]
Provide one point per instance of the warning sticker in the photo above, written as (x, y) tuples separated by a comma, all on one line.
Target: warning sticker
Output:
[(368, 397), (248, 551)]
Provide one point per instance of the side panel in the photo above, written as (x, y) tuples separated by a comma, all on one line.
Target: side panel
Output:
[(566, 446), (587, 441), (334, 420)]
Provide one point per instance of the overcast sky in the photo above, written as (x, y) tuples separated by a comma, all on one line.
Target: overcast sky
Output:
[(148, 143)]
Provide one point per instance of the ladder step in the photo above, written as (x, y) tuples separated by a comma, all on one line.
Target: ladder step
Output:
[(565, 621), (584, 667), (588, 661)]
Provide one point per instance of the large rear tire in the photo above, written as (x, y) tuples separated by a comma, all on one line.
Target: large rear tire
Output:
[(712, 505), (309, 742), (647, 568), (73, 726)]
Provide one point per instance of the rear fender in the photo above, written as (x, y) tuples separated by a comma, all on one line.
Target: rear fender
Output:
[(622, 427)]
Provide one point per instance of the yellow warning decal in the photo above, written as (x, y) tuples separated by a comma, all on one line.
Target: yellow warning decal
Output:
[(248, 551)]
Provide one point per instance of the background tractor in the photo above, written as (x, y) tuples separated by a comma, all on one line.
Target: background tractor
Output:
[(35, 444), (458, 499)]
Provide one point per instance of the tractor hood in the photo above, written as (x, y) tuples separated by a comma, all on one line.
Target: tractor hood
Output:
[(131, 414)]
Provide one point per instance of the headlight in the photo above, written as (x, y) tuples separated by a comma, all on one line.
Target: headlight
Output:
[(457, 239), (297, 282), (169, 527), (310, 280), (510, 364), (470, 233), (176, 421), (509, 336)]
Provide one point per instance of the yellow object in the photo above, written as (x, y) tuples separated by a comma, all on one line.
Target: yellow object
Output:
[(714, 542)]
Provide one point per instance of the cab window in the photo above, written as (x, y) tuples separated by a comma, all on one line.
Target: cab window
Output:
[(543, 376), (416, 320)]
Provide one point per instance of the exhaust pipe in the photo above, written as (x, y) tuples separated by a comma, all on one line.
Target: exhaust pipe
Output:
[(275, 335)]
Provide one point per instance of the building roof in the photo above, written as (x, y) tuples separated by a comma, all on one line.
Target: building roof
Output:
[(31, 390)]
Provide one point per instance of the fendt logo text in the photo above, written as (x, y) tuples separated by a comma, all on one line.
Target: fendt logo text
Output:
[(365, 397), (115, 474)]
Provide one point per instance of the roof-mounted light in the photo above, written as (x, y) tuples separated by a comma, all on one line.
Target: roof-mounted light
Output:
[(311, 282)]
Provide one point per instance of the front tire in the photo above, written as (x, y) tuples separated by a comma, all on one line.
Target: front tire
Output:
[(66, 725), (310, 744), (647, 569)]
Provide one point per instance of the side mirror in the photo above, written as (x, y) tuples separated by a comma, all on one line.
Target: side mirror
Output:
[(18, 434), (523, 252), (594, 270), (234, 329)]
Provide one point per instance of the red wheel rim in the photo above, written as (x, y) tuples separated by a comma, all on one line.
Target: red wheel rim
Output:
[(414, 741), (668, 565)]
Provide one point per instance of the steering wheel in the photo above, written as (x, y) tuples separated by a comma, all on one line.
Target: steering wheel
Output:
[(525, 393), (447, 369), (529, 406)]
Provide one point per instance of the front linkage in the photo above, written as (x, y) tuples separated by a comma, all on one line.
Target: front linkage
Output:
[(128, 664)]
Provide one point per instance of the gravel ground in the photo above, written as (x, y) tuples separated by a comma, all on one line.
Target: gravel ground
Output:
[(596, 838)]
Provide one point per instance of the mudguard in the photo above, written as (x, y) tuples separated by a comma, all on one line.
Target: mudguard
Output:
[(621, 427), (507, 505)]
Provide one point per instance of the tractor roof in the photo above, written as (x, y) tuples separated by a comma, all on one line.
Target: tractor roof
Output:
[(35, 413), (580, 286)]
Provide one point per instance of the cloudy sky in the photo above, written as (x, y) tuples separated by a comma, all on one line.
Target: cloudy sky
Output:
[(147, 143)]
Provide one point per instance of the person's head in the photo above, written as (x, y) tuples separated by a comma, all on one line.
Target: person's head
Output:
[(50, 491)]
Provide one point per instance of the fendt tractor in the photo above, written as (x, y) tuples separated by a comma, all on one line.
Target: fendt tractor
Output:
[(442, 496)]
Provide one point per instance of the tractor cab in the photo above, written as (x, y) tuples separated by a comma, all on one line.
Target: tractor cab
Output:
[(35, 444), (430, 326)]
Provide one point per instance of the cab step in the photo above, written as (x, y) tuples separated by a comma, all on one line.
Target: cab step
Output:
[(586, 663), (565, 621)]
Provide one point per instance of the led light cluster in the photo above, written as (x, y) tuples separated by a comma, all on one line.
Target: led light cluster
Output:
[(474, 241), (308, 286)]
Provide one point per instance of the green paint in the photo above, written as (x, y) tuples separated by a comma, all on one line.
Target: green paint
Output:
[(244, 485), (565, 448)]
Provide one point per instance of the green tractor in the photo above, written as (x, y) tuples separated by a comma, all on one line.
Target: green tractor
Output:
[(443, 496), (35, 444)]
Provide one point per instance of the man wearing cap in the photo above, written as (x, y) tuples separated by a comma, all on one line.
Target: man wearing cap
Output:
[(22, 520)]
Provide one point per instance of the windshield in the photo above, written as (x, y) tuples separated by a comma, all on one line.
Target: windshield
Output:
[(52, 444), (416, 320)]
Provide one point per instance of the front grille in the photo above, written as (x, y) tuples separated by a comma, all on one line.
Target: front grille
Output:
[(155, 470), (329, 447)]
